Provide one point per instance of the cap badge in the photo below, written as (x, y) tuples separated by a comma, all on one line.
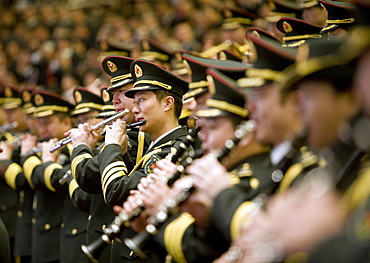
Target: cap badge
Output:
[(228, 13), (287, 27), (78, 97), (222, 55), (8, 92), (138, 71), (145, 45), (26, 96), (211, 84), (39, 100), (187, 66), (106, 96), (112, 67)]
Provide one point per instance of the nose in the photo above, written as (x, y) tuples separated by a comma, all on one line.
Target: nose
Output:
[(115, 99)]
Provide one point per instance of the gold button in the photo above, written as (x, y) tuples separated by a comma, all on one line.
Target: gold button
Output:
[(62, 225), (47, 226), (19, 213), (89, 218), (33, 220), (131, 253), (74, 231), (103, 227), (3, 207)]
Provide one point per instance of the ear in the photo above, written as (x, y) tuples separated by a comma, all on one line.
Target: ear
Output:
[(67, 122), (246, 140), (168, 102)]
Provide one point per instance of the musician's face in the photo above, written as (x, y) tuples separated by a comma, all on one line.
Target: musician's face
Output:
[(324, 111), (214, 133), (154, 112), (274, 119), (121, 102), (16, 115), (53, 127), (88, 117)]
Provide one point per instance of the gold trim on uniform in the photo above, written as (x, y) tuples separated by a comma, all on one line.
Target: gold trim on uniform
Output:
[(153, 83), (89, 105), (11, 174), (121, 77), (198, 84), (223, 105), (341, 21), (72, 187), (194, 92), (140, 146), (116, 170), (262, 73), (358, 191), (28, 167), (156, 55), (240, 218), (302, 37), (173, 235), (49, 172), (76, 161)]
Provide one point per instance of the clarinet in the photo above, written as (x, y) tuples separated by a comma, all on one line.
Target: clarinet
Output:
[(94, 249), (138, 242), (68, 139)]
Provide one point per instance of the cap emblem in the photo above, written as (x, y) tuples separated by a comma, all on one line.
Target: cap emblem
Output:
[(26, 96), (187, 66), (112, 67), (106, 96), (211, 84), (78, 97), (39, 100), (287, 27), (8, 92), (145, 45), (138, 71)]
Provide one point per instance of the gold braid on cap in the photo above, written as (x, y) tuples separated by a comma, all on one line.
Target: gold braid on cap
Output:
[(223, 105), (198, 84), (341, 21), (154, 83)]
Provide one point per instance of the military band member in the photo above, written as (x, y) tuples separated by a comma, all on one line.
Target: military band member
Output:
[(341, 16), (14, 176), (273, 127), (58, 227), (248, 167), (297, 31), (85, 164), (12, 180)]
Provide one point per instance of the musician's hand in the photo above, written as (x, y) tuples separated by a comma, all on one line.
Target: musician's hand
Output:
[(116, 134), (209, 176), (46, 154), (197, 204), (83, 135), (163, 168), (7, 150), (139, 223), (28, 142), (154, 194)]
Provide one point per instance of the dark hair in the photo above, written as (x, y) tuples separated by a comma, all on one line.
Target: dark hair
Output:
[(161, 94)]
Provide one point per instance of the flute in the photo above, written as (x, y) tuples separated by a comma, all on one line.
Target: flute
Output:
[(68, 139), (8, 126), (128, 126)]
